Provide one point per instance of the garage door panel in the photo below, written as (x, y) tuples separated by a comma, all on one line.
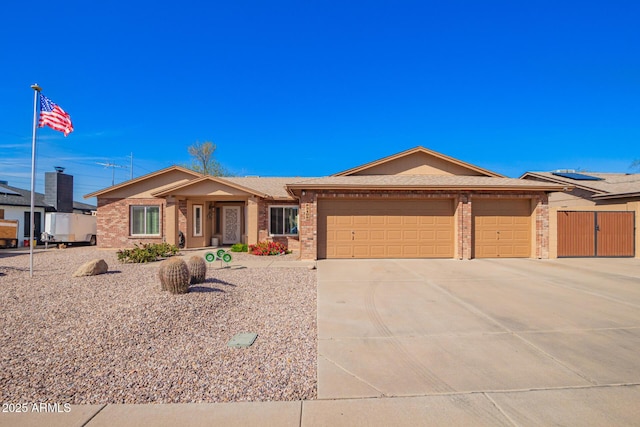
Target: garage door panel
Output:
[(377, 235), (441, 251), (410, 235), (390, 228), (342, 251), (341, 235), (502, 228), (377, 220), (409, 220), (410, 251), (343, 220), (444, 235), (394, 220), (361, 220), (428, 235)]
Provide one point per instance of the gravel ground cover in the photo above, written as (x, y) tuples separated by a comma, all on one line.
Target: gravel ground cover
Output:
[(116, 338)]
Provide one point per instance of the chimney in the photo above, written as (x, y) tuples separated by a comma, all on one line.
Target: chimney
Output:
[(58, 190)]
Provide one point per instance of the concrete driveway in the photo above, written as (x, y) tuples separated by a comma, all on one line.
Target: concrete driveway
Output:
[(500, 341)]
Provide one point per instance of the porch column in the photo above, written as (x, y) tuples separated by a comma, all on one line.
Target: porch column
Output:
[(252, 221), (170, 221), (181, 213)]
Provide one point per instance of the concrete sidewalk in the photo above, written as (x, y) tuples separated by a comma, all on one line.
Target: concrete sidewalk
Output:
[(588, 406)]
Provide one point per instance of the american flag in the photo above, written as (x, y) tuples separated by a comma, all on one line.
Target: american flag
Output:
[(53, 116)]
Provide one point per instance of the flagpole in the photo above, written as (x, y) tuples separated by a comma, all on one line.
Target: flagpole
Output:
[(36, 90)]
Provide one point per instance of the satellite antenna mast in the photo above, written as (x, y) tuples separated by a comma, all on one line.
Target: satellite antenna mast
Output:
[(113, 167)]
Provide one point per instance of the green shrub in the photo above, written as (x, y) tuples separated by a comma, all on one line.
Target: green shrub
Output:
[(147, 252), (239, 247), (268, 248)]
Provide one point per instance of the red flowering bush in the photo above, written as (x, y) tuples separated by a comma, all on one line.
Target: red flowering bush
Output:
[(268, 248)]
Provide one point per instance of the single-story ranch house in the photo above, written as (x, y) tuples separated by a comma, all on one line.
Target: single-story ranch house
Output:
[(414, 204)]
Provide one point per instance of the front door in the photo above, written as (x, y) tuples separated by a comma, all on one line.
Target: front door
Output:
[(231, 225)]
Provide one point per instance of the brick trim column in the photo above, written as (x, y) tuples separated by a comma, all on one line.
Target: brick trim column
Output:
[(308, 225), (466, 232), (542, 227)]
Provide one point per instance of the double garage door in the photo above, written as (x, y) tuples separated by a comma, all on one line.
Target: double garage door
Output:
[(385, 228), (420, 228)]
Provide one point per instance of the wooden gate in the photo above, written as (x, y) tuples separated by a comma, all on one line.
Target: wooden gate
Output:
[(596, 234)]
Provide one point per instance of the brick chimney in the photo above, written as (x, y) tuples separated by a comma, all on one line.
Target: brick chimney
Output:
[(58, 190)]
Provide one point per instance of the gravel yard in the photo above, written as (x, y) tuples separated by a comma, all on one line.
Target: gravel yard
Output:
[(116, 338)]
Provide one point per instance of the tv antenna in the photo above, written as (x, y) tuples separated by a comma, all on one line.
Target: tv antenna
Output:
[(113, 167)]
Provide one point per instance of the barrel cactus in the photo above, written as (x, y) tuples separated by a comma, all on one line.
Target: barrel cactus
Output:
[(198, 269), (176, 276), (163, 284)]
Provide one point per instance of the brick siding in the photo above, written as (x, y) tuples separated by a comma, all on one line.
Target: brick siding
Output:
[(291, 242), (114, 223)]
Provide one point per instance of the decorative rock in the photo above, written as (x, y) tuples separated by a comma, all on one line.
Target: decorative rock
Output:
[(92, 268)]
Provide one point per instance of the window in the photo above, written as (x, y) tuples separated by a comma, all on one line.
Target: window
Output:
[(145, 220), (283, 220), (197, 220)]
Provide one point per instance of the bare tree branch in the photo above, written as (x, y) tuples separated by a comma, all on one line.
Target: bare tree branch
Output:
[(202, 159)]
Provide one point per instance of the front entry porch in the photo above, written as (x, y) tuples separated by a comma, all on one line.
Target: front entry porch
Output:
[(219, 222), (208, 211)]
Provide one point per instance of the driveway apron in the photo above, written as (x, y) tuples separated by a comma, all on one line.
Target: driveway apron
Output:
[(389, 328)]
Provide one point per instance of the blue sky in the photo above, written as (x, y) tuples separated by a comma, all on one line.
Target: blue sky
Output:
[(310, 88)]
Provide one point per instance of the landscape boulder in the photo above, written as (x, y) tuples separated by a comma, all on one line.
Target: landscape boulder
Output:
[(92, 268)]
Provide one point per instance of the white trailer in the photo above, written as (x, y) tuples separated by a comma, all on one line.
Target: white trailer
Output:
[(69, 228)]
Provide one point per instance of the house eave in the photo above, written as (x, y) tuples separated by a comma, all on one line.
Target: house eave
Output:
[(562, 182), (296, 189), (139, 179), (608, 196), (174, 191)]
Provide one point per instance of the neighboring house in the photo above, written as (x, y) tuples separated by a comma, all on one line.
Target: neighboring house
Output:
[(597, 217), (15, 203), (414, 204)]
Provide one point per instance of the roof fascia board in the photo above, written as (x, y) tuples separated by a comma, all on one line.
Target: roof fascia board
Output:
[(168, 191), (559, 180), (615, 195), (140, 179), (547, 187)]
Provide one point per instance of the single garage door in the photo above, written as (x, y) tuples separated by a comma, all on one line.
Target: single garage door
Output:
[(502, 228), (385, 228), (588, 234)]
